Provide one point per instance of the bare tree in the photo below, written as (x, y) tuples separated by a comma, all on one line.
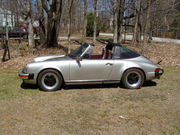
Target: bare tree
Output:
[(54, 12), (115, 19), (41, 19), (136, 22), (85, 19), (7, 25), (70, 4), (95, 19), (26, 11), (118, 20), (146, 25), (5, 40)]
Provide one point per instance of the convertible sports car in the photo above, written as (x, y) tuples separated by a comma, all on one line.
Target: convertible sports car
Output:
[(115, 64)]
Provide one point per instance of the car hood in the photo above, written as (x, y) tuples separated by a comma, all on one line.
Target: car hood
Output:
[(50, 58)]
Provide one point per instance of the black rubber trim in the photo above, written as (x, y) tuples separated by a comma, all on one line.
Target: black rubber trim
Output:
[(31, 76), (157, 74)]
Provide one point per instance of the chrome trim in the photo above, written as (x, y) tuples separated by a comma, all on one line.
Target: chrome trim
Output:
[(86, 50), (91, 82), (45, 85), (134, 85)]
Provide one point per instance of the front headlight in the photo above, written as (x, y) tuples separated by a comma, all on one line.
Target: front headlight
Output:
[(25, 70)]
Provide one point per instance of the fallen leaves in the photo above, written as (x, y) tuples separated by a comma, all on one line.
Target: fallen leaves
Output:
[(164, 54)]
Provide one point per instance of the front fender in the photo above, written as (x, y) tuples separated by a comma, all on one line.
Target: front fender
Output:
[(62, 67)]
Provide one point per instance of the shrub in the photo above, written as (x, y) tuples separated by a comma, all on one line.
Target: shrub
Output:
[(90, 25)]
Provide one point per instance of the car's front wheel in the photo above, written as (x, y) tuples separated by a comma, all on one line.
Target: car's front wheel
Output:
[(50, 80), (133, 79)]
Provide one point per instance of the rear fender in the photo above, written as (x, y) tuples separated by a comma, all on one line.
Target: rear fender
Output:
[(128, 66)]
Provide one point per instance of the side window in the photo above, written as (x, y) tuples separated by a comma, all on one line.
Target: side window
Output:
[(127, 54), (123, 53), (116, 53)]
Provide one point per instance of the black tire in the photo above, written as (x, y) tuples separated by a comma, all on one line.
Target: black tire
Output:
[(50, 80), (133, 79)]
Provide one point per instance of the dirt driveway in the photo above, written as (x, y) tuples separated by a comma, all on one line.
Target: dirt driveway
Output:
[(90, 110)]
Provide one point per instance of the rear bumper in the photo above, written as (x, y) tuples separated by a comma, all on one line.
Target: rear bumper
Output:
[(27, 77), (154, 75), (158, 74)]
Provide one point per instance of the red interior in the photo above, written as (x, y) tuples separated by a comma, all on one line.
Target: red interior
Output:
[(106, 54), (96, 56)]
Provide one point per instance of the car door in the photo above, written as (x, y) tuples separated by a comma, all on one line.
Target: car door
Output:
[(90, 70)]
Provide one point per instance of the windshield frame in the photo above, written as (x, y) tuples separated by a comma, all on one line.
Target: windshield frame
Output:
[(79, 52)]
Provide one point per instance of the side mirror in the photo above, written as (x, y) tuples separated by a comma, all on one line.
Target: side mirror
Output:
[(78, 59)]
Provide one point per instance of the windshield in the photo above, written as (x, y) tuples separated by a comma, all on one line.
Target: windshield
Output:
[(77, 52)]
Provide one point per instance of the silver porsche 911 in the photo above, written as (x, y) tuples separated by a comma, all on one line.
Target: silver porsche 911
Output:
[(116, 64)]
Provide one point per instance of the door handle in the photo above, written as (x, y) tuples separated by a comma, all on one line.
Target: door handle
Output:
[(110, 64)]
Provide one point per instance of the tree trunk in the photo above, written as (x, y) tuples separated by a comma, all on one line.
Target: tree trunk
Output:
[(146, 26), (30, 33), (95, 19), (125, 29), (30, 25), (166, 22), (139, 32), (115, 18), (17, 20), (136, 23), (70, 4), (7, 29), (120, 20), (52, 32), (41, 19), (12, 19), (54, 12), (26, 11), (150, 34), (85, 19)]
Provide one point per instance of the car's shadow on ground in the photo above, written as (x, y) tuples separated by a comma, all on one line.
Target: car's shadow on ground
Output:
[(87, 86), (96, 86), (149, 84), (29, 86)]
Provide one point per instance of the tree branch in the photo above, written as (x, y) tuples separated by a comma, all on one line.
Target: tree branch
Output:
[(44, 4), (24, 11), (130, 16)]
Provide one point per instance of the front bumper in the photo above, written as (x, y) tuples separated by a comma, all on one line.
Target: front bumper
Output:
[(159, 73), (26, 76)]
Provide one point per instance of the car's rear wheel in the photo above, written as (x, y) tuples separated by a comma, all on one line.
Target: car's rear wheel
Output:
[(50, 80), (133, 79)]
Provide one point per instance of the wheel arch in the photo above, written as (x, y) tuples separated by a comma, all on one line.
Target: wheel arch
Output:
[(50, 69), (134, 68)]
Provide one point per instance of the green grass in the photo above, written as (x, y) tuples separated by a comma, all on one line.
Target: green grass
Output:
[(172, 70), (153, 109), (11, 86)]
